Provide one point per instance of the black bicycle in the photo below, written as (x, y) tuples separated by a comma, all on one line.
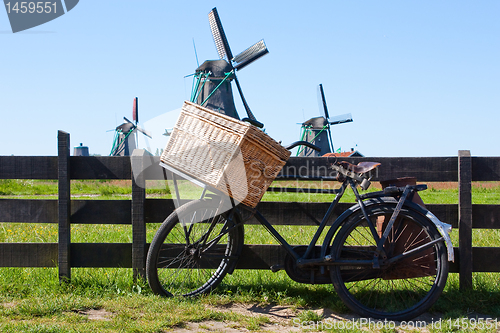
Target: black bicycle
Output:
[(386, 256)]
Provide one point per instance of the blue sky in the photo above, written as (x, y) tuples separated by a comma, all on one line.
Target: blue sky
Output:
[(420, 78)]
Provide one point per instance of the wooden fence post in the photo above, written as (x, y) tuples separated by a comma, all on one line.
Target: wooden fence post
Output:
[(64, 206), (138, 221), (465, 218)]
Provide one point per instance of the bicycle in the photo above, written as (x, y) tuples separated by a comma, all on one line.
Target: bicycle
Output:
[(386, 256)]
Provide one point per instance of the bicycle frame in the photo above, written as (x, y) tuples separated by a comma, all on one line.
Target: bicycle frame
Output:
[(305, 260), (317, 234), (326, 260)]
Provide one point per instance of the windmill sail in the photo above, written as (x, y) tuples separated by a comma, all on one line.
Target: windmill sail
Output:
[(209, 83), (251, 54), (341, 119), (135, 110), (219, 36), (323, 101)]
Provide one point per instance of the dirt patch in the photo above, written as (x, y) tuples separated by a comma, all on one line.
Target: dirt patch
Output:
[(286, 319), (96, 314), (276, 313), (230, 327), (9, 305)]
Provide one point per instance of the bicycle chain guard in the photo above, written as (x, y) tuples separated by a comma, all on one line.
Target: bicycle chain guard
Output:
[(310, 275)]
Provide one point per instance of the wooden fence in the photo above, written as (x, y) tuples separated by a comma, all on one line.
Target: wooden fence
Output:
[(138, 211)]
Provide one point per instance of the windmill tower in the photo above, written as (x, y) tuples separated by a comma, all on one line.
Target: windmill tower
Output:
[(213, 78), (126, 134), (317, 130)]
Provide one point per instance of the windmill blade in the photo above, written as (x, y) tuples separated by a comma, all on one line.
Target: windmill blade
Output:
[(146, 133), (251, 54), (322, 101), (135, 110), (247, 108), (343, 118), (128, 121), (135, 127), (219, 36)]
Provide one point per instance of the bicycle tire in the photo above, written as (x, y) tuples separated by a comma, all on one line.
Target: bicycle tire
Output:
[(181, 263), (400, 290)]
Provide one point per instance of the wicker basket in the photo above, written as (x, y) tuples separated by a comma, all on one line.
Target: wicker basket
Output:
[(227, 154)]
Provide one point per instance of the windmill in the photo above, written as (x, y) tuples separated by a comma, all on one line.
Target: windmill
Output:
[(126, 134), (212, 87), (317, 130)]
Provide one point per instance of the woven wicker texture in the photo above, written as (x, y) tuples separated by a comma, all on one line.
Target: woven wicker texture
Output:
[(225, 153)]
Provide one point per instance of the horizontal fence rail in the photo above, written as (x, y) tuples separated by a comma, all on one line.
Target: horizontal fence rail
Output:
[(425, 169), (138, 211)]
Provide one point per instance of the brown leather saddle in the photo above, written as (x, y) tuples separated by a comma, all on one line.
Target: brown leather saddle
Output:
[(361, 167)]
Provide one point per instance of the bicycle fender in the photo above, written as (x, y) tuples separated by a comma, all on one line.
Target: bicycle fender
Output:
[(443, 228)]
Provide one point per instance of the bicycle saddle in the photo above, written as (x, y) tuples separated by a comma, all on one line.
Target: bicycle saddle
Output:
[(362, 167)]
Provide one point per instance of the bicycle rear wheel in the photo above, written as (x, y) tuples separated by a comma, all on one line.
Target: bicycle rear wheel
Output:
[(189, 259), (398, 290)]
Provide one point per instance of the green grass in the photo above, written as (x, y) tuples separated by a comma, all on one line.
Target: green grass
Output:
[(32, 300), (88, 188), (482, 192)]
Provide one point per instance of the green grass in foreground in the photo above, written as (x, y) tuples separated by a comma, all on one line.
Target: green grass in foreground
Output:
[(32, 300)]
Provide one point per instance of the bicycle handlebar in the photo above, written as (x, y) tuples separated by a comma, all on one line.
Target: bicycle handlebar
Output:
[(254, 122), (303, 143)]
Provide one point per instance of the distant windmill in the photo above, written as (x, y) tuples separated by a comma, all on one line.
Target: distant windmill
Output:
[(126, 135), (212, 87), (317, 130)]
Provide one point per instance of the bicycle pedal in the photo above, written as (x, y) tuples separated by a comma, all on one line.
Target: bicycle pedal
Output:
[(276, 268)]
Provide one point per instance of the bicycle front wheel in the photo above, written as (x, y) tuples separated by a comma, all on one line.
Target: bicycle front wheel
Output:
[(404, 286), (193, 250)]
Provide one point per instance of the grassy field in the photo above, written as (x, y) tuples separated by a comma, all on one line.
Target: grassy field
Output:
[(33, 300)]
